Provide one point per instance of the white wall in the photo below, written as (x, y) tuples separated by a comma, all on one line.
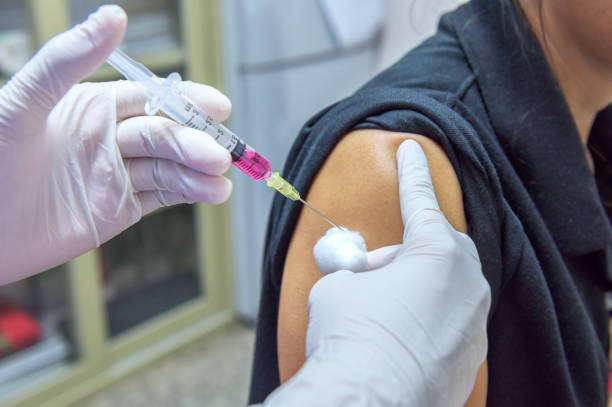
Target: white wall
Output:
[(409, 22)]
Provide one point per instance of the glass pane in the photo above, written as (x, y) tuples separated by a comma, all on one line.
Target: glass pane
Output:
[(15, 46), (36, 327), (150, 268), (152, 28)]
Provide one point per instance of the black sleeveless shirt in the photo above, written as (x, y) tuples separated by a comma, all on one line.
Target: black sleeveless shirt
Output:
[(481, 88)]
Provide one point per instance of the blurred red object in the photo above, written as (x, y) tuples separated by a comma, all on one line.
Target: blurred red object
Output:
[(18, 329)]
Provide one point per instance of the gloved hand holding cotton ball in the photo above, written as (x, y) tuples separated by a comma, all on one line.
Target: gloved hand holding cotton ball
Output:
[(410, 333)]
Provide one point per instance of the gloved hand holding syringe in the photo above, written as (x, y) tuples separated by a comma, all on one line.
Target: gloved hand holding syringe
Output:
[(164, 95)]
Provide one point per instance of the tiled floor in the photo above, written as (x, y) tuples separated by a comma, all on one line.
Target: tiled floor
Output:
[(212, 372)]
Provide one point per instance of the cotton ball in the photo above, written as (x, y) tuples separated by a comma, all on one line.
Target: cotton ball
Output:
[(341, 249)]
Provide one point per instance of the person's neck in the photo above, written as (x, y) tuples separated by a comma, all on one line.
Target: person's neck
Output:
[(586, 85)]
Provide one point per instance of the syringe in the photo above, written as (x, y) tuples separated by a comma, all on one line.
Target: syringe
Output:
[(164, 95)]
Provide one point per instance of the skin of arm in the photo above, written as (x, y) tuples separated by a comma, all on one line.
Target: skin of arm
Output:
[(357, 187)]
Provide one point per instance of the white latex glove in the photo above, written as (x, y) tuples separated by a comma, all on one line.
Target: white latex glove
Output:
[(82, 163), (410, 333)]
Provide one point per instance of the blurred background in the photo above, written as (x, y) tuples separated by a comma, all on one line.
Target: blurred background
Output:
[(163, 314)]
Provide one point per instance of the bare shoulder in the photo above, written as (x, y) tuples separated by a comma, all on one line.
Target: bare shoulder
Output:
[(363, 164), (357, 187)]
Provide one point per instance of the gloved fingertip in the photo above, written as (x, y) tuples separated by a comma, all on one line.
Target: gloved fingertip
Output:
[(212, 159), (112, 12), (382, 256), (106, 25), (224, 161), (223, 191), (225, 106), (209, 99), (221, 106), (408, 150), (229, 187)]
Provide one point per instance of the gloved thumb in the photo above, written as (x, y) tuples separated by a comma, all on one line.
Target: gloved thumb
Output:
[(420, 210), (67, 58)]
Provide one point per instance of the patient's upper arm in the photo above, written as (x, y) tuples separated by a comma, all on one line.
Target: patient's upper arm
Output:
[(357, 188)]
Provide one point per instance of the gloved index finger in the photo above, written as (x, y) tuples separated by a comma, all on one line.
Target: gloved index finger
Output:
[(209, 99), (416, 191), (131, 99)]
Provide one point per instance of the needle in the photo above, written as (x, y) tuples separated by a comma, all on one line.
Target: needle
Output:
[(277, 182), (320, 214)]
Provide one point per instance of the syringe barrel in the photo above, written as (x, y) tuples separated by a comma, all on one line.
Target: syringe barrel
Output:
[(170, 100)]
